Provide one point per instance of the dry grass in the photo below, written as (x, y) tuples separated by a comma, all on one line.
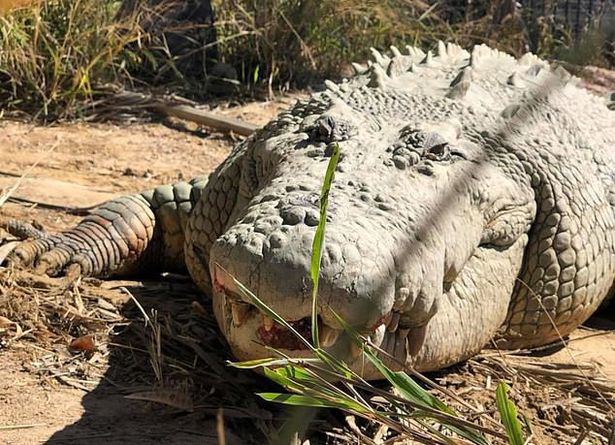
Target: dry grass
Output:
[(282, 42), (56, 56), (177, 359), (562, 402), (286, 43)]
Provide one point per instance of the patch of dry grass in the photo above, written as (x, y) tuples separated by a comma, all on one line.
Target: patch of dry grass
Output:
[(166, 350), (54, 54), (283, 42), (55, 57), (177, 359)]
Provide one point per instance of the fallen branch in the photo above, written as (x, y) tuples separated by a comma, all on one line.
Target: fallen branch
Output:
[(71, 210), (129, 101), (206, 118)]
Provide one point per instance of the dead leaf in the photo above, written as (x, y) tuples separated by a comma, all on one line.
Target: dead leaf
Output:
[(6, 249), (84, 343)]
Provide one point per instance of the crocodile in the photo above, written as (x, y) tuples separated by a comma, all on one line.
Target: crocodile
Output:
[(473, 204)]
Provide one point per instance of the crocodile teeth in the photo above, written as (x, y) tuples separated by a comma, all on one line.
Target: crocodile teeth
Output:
[(328, 336), (239, 311), (393, 322), (267, 323), (355, 350)]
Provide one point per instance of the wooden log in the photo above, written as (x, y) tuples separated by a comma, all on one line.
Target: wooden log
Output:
[(206, 118)]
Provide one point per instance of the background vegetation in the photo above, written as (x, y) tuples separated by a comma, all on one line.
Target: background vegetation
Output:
[(298, 40), (57, 55), (53, 54)]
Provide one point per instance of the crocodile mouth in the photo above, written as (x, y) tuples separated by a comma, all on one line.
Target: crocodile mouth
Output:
[(240, 316), (268, 331), (280, 337)]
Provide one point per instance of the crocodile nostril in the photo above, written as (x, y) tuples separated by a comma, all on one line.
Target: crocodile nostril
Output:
[(311, 217), (277, 240), (292, 215)]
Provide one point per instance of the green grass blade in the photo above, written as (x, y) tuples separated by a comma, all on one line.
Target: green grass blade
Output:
[(305, 400), (271, 362), (412, 391), (319, 239), (298, 380), (400, 380), (284, 378), (508, 413)]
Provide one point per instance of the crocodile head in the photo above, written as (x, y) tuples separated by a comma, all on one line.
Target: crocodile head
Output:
[(425, 234)]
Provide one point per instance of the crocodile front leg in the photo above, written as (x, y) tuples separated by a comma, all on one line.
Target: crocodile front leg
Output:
[(136, 233)]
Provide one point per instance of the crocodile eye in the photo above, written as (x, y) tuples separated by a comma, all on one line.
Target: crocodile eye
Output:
[(436, 147), (433, 140), (440, 150)]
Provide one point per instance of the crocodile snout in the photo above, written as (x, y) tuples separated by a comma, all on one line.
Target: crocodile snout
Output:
[(360, 280), (271, 256)]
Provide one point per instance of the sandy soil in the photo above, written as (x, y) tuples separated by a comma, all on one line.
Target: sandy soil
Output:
[(43, 412), (78, 165)]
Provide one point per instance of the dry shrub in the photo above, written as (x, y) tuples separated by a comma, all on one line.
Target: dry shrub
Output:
[(295, 41), (52, 54), (55, 55), (178, 50)]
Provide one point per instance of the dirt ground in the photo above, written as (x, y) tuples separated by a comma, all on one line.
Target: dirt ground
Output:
[(78, 165)]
